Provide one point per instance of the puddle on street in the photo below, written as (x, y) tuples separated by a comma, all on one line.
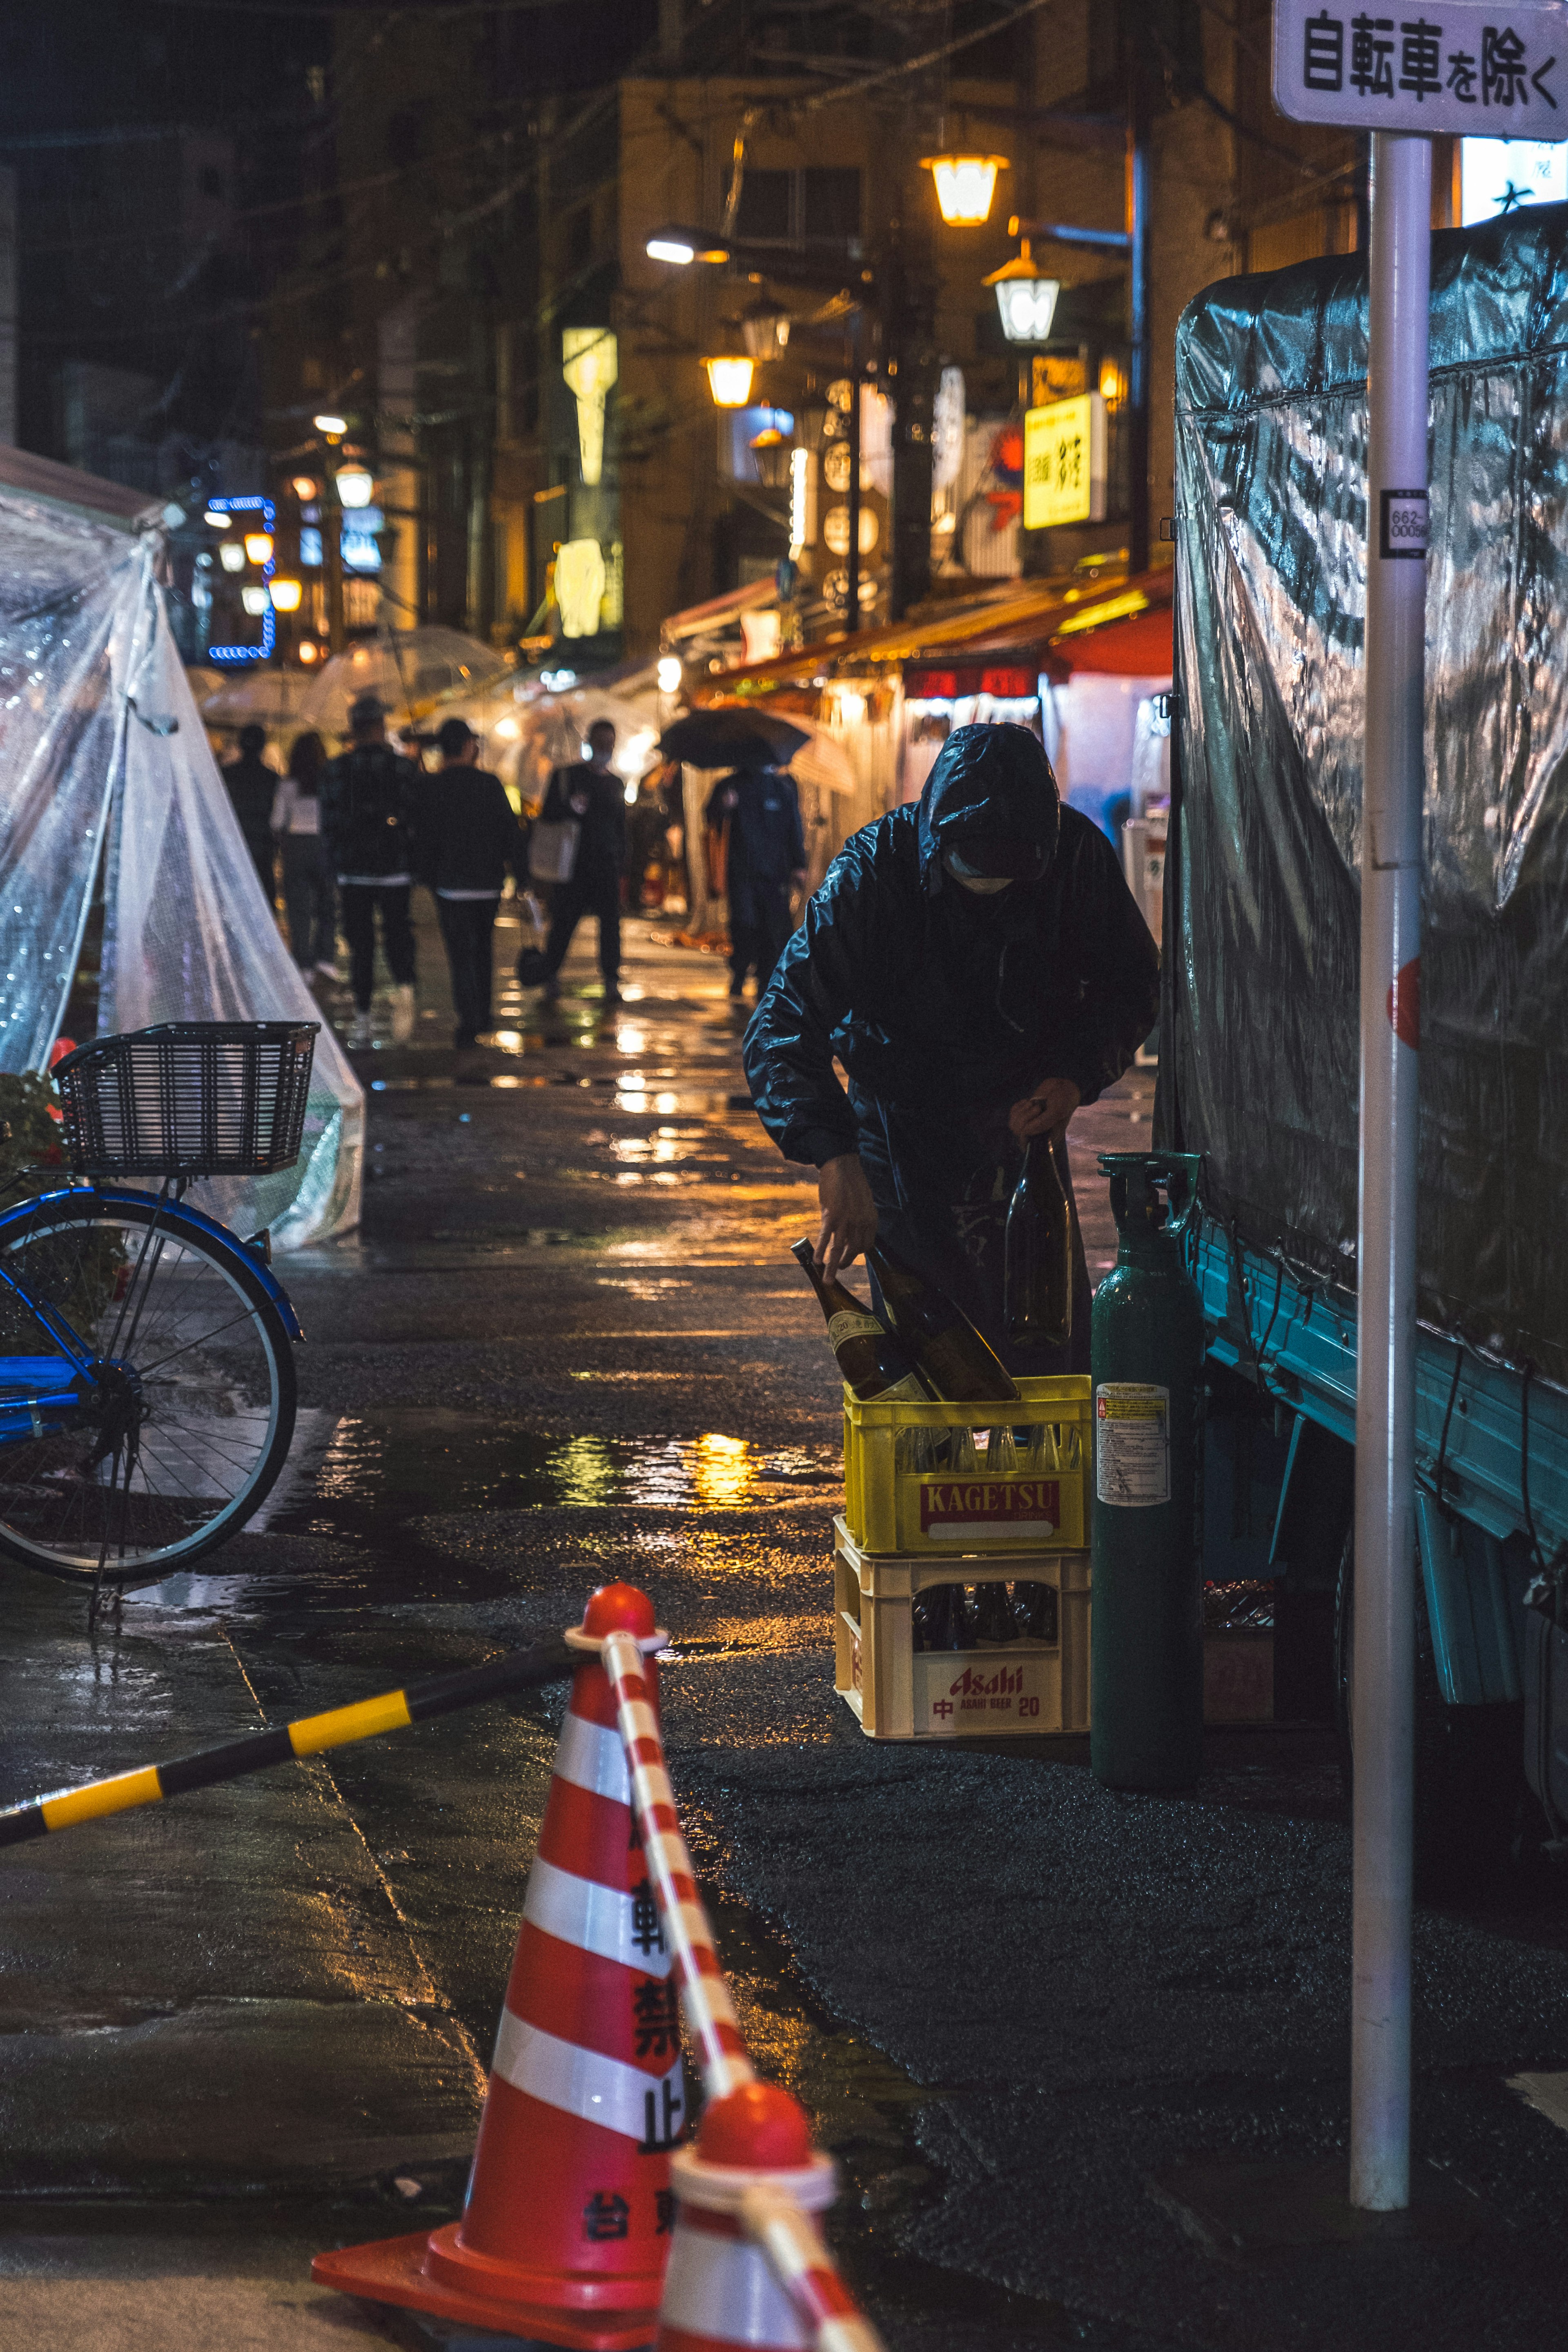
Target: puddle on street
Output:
[(411, 1462), (865, 2112)]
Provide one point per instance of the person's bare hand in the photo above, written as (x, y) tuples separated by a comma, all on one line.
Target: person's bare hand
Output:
[(1046, 1109), (849, 1214)]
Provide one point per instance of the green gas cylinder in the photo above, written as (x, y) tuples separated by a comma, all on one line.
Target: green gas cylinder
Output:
[(1146, 1354)]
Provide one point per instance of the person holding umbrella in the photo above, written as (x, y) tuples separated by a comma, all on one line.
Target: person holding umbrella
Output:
[(764, 860), (759, 810)]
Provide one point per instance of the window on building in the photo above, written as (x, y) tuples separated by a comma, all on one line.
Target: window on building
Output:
[(818, 205), (830, 204), (765, 205)]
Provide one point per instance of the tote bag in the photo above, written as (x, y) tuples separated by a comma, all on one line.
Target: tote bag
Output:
[(552, 849)]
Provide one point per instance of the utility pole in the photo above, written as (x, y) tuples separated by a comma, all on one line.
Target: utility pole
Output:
[(852, 554), (333, 554), (910, 329), (1138, 315)]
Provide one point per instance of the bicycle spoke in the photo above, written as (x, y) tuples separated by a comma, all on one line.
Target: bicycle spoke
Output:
[(163, 1455)]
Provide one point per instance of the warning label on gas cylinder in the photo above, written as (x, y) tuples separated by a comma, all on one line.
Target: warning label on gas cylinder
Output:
[(1132, 1443)]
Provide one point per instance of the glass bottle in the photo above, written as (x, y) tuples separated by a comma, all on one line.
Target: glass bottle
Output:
[(1037, 1279), (949, 1353), (873, 1365)]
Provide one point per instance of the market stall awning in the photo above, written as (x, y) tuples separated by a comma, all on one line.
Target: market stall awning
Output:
[(44, 479), (1037, 625), (1130, 638), (697, 620)]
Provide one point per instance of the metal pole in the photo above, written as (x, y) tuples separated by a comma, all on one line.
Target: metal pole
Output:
[(1383, 1697), (852, 560), (1138, 320)]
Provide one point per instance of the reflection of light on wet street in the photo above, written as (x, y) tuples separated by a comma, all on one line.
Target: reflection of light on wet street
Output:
[(723, 1474), (584, 1470)]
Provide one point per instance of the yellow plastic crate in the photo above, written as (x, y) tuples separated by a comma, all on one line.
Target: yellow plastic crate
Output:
[(1014, 1690), (892, 1507)]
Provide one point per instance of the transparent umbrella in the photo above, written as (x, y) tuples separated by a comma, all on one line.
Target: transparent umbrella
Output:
[(410, 669), (273, 699)]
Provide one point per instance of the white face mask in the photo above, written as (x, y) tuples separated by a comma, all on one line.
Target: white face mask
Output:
[(983, 885)]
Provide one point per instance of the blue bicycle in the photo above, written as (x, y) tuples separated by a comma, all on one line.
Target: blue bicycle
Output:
[(147, 1392)]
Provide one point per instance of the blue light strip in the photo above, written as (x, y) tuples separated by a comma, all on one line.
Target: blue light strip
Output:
[(254, 504)]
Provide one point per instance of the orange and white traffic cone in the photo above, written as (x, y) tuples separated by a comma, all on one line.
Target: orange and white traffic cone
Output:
[(567, 2225), (744, 2196)]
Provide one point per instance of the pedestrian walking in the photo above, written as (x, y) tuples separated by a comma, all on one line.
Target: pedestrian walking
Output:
[(764, 860), (646, 827), (310, 892), (368, 801), (468, 838), (978, 968), (251, 784), (591, 796)]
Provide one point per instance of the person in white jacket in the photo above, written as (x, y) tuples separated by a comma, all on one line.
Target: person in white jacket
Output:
[(310, 889)]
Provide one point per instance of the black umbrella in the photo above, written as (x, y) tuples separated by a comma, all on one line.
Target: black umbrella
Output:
[(728, 737)]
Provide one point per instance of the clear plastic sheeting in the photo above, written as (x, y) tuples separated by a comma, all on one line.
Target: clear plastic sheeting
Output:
[(70, 593), (189, 935), (1260, 1062)]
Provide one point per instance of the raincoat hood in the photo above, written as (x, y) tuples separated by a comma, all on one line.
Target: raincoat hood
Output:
[(992, 795)]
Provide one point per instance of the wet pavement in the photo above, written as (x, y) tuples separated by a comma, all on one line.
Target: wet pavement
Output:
[(567, 1345)]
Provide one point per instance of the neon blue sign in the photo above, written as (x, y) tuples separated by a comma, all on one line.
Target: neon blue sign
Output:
[(236, 653)]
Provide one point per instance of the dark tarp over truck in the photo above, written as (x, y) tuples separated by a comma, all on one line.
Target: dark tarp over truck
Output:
[(1259, 1061)]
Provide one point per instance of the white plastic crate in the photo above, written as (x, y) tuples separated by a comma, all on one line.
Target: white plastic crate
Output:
[(1013, 1689)]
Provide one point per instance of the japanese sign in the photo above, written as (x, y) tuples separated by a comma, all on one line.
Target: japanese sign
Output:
[(1017, 1692), (1064, 462), (961, 1510), (1466, 67)]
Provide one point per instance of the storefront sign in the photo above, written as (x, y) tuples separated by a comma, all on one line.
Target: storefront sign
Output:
[(1064, 462)]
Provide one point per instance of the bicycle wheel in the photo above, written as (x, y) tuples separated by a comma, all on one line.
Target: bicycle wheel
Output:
[(181, 1430)]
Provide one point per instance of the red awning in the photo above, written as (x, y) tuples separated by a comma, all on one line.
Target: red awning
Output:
[(1138, 647)]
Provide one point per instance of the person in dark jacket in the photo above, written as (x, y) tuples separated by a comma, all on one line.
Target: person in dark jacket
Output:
[(646, 827), (468, 839), (251, 784), (310, 894), (591, 795), (368, 797), (766, 855), (979, 968)]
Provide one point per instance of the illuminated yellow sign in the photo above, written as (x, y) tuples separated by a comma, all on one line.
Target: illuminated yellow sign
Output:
[(1064, 462)]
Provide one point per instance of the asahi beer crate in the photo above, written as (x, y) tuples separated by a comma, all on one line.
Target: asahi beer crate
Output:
[(1012, 1689), (928, 1477)]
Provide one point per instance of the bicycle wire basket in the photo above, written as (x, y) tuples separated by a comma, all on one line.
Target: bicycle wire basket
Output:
[(188, 1098)]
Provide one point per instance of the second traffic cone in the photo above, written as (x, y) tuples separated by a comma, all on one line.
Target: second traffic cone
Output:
[(720, 2293), (567, 2225)]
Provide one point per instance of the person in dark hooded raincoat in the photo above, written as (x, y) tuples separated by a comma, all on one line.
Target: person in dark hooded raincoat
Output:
[(979, 969), (766, 855)]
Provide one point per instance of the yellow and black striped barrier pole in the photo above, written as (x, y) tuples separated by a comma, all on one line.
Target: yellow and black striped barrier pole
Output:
[(544, 1661)]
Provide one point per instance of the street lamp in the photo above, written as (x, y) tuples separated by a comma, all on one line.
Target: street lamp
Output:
[(770, 449), (964, 186), (285, 595), (683, 245), (355, 487), (730, 377), (231, 555), (257, 546), (334, 428), (764, 329), (1026, 297)]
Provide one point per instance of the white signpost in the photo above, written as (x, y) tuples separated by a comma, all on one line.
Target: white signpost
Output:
[(1471, 68)]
